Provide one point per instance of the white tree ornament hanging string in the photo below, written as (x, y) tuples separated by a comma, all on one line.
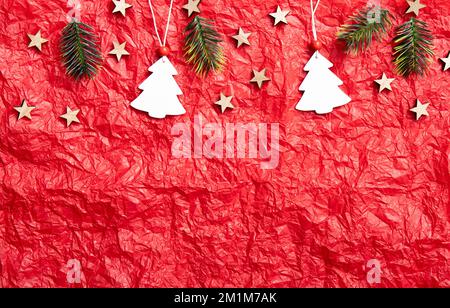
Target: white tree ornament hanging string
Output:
[(321, 86), (160, 91)]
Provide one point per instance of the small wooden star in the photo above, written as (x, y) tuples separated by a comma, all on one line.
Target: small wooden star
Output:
[(242, 38), (37, 40), (415, 7), (24, 110), (119, 50), (446, 62), (192, 6), (259, 77), (385, 83), (225, 102), (71, 116), (420, 110), (280, 16), (121, 6)]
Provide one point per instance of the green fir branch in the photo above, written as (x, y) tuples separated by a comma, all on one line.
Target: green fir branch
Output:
[(80, 53), (202, 46), (364, 28), (413, 48)]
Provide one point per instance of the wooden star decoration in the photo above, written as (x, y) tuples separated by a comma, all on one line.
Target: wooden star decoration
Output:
[(385, 83), (446, 62), (225, 102), (24, 110), (121, 6), (119, 50), (242, 38), (279, 16), (36, 40), (192, 6), (415, 7), (420, 110), (259, 77), (71, 116)]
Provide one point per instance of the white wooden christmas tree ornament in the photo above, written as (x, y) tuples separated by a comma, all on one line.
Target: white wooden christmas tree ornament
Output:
[(321, 87), (160, 92)]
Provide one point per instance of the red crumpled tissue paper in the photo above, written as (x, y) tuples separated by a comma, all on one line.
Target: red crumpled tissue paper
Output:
[(363, 188)]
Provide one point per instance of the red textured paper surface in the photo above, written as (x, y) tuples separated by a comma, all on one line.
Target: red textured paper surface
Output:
[(365, 182)]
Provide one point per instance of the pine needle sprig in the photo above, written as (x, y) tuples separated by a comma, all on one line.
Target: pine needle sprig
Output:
[(79, 49), (364, 28), (413, 45), (202, 46)]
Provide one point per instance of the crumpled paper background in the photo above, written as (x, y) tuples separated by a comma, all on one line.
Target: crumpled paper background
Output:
[(365, 182)]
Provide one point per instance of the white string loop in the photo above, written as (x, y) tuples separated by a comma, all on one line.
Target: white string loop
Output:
[(313, 17), (164, 41)]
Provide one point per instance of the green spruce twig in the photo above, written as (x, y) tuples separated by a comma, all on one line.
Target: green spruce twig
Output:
[(413, 45), (366, 25), (79, 49), (202, 46)]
